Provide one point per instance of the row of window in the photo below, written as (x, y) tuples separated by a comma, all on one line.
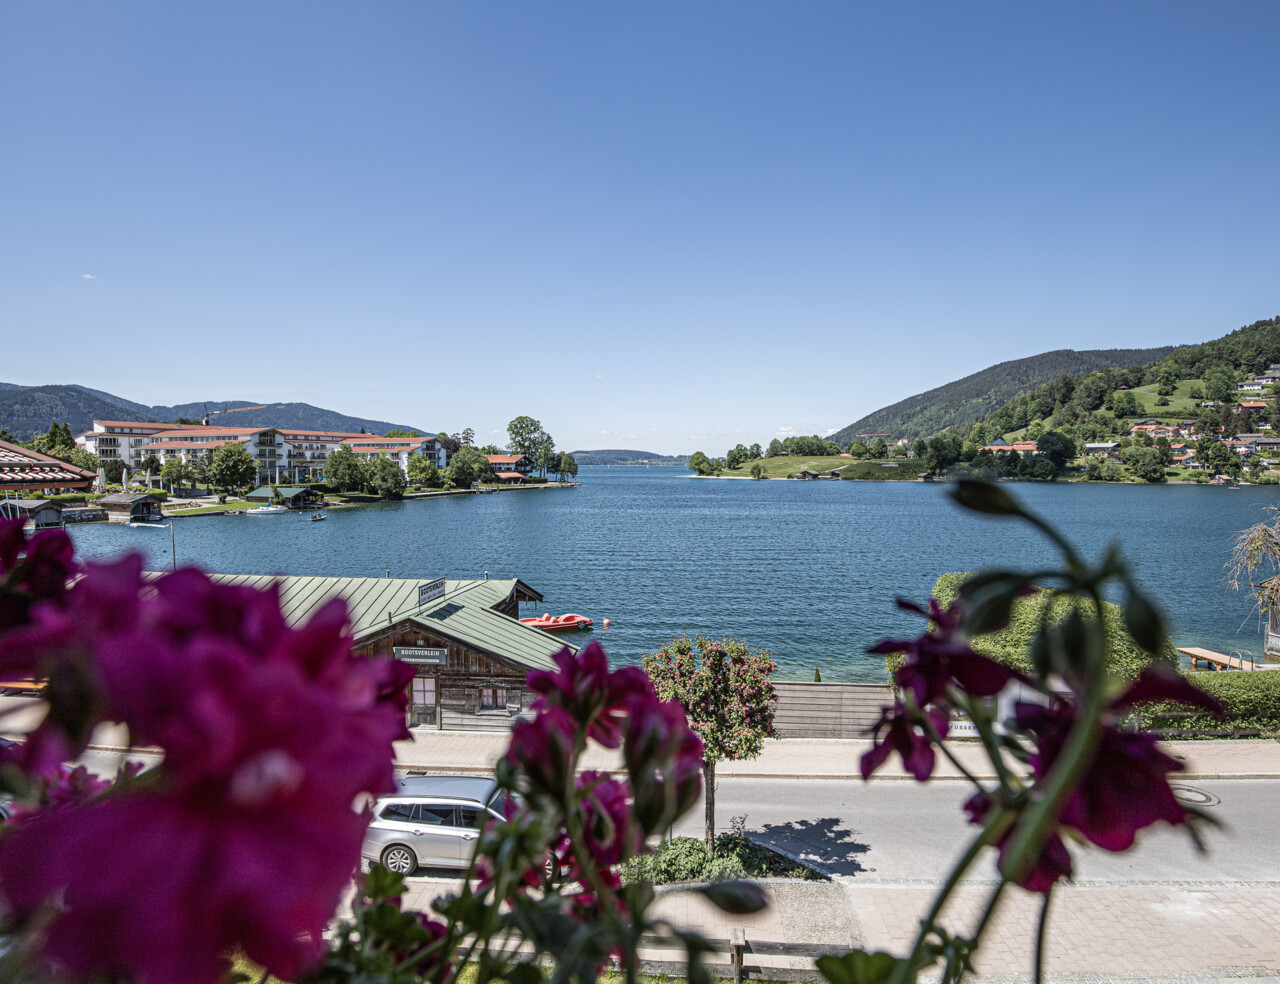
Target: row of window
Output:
[(424, 694)]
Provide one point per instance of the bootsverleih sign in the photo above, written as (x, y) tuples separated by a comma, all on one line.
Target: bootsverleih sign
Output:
[(420, 656), (430, 591)]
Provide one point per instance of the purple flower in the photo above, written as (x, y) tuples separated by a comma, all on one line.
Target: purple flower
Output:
[(543, 749), (1053, 863), (593, 696), (245, 835), (942, 656), (1125, 786), (906, 738), (31, 571)]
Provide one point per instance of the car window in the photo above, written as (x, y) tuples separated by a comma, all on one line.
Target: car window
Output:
[(473, 817), (498, 803), (442, 816), (398, 811)]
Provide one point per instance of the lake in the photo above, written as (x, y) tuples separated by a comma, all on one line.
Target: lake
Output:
[(808, 570)]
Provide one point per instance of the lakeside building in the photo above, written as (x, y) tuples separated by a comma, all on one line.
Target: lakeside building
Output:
[(130, 507), (22, 469), (510, 469), (282, 454), (40, 513), (471, 651)]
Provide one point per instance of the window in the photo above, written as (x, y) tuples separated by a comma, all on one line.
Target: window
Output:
[(424, 691), (438, 816), (472, 817), (398, 811), (493, 698)]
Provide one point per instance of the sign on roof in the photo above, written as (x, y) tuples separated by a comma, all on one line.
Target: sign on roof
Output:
[(430, 591), (421, 656)]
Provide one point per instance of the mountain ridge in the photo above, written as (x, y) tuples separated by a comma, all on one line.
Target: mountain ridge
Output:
[(971, 397), (29, 410)]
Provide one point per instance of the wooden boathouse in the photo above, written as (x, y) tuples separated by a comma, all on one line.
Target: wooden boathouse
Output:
[(464, 636)]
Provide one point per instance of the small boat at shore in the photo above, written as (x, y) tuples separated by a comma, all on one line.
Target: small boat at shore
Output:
[(149, 526), (558, 623), (264, 510)]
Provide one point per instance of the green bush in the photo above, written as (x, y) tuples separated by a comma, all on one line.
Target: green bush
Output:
[(723, 869), (1251, 700), (681, 859), (1011, 646), (535, 480)]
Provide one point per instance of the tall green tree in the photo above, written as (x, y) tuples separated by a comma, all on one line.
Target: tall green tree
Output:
[(467, 438), (423, 471), (384, 477), (544, 457), (699, 463), (468, 466), (775, 449), (176, 471), (152, 465), (568, 467), (342, 470), (727, 694), (523, 436), (232, 467)]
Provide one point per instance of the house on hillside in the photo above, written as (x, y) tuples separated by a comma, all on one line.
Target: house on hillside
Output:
[(1103, 449)]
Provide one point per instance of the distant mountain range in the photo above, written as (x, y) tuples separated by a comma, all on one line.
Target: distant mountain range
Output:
[(26, 411), (614, 456), (967, 399)]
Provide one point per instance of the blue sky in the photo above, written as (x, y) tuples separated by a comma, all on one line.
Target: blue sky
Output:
[(666, 226)]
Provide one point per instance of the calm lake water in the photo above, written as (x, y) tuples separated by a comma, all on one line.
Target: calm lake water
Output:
[(808, 570)]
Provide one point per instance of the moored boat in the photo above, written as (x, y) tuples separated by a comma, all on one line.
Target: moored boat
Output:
[(558, 623), (264, 510)]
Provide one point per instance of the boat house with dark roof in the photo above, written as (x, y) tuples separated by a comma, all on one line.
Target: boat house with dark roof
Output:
[(464, 636)]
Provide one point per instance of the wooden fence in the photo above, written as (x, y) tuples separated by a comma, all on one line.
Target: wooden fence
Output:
[(828, 710)]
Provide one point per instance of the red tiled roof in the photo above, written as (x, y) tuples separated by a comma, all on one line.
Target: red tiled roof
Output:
[(157, 424), (21, 468), (508, 475), (213, 431), (179, 445), (503, 459)]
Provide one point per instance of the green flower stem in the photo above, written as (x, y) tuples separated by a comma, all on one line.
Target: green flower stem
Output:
[(1040, 933), (996, 823), (982, 722), (934, 737), (1037, 823)]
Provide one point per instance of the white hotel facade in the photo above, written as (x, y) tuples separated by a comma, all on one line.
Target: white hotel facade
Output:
[(283, 454)]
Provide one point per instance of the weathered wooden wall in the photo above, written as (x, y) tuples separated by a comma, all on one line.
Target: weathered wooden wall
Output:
[(828, 710)]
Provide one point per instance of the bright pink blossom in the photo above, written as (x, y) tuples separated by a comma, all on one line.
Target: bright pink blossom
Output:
[(908, 739), (587, 691), (246, 835)]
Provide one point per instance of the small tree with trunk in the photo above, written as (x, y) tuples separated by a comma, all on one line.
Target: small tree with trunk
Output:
[(727, 695)]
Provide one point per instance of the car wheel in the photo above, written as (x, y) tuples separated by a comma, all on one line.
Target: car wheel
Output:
[(551, 870), (400, 860)]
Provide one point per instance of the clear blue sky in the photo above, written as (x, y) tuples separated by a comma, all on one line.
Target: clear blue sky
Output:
[(665, 226)]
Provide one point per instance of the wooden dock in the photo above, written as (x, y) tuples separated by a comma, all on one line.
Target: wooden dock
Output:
[(1218, 661)]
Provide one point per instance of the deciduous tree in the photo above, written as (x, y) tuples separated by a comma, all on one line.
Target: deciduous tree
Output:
[(232, 467), (423, 471), (523, 435), (384, 477), (343, 470), (726, 691)]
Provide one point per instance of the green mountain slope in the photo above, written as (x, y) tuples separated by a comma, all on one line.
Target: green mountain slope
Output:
[(29, 410), (1074, 401), (967, 399)]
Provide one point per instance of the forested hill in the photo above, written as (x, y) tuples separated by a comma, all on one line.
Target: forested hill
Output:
[(967, 399), (1073, 401), (26, 411), (616, 456)]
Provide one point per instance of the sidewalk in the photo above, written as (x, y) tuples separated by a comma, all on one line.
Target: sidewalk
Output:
[(804, 758)]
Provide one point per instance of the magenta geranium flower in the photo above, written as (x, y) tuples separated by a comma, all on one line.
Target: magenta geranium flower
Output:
[(1125, 786), (32, 570), (908, 739), (543, 749), (942, 656), (1054, 862), (589, 692), (246, 835)]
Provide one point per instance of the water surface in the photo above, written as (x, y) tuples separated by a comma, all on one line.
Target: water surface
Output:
[(808, 570)]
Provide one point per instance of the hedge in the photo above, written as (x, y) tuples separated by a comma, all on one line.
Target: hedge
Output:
[(1011, 646), (1251, 700)]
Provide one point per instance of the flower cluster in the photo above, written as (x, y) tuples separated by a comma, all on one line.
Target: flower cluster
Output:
[(246, 834), (935, 662), (584, 700)]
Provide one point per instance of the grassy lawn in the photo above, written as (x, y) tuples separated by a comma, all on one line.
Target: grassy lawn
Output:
[(781, 467), (1179, 404), (203, 508)]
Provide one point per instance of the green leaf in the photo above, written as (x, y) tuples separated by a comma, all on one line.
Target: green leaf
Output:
[(984, 497), (739, 898), (860, 967), (989, 608), (382, 883), (525, 973), (1144, 622)]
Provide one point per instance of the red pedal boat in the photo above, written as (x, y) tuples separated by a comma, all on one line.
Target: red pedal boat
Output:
[(558, 623)]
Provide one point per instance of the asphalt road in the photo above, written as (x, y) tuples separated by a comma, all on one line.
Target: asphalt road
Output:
[(896, 831), (903, 831)]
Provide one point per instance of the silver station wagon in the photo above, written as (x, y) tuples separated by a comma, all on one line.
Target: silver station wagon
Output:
[(431, 821)]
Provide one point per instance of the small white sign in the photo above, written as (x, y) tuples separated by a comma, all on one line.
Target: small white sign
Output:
[(962, 728), (421, 656), (430, 591)]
